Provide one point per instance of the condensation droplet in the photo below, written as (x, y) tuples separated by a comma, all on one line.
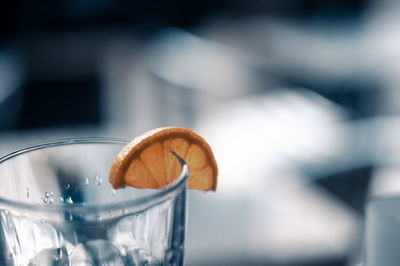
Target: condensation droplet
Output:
[(48, 197), (98, 217), (27, 192), (70, 216), (69, 200), (124, 211), (98, 180), (87, 181), (61, 199), (45, 199), (67, 186), (113, 192), (43, 221)]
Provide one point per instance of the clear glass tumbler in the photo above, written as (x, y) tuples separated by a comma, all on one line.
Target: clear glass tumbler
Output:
[(382, 231), (58, 208)]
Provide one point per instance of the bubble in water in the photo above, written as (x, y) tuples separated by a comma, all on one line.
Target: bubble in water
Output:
[(70, 216), (27, 192), (43, 221), (67, 186), (113, 192), (51, 200), (98, 217), (61, 199), (69, 200), (124, 211), (87, 181), (47, 194)]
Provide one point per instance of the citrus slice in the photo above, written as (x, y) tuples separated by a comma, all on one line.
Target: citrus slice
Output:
[(148, 161)]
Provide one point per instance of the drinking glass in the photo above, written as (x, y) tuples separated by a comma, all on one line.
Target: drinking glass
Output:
[(382, 234), (58, 208)]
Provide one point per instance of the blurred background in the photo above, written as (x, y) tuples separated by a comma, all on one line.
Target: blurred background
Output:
[(298, 98)]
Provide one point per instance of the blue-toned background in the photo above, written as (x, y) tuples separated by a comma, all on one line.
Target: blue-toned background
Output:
[(298, 98)]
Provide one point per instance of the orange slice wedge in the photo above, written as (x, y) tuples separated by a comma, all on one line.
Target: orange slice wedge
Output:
[(148, 160)]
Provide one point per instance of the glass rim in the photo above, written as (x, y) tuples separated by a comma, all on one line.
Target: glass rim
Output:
[(155, 196)]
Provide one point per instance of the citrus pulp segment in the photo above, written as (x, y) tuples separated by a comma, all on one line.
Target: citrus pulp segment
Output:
[(148, 160)]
